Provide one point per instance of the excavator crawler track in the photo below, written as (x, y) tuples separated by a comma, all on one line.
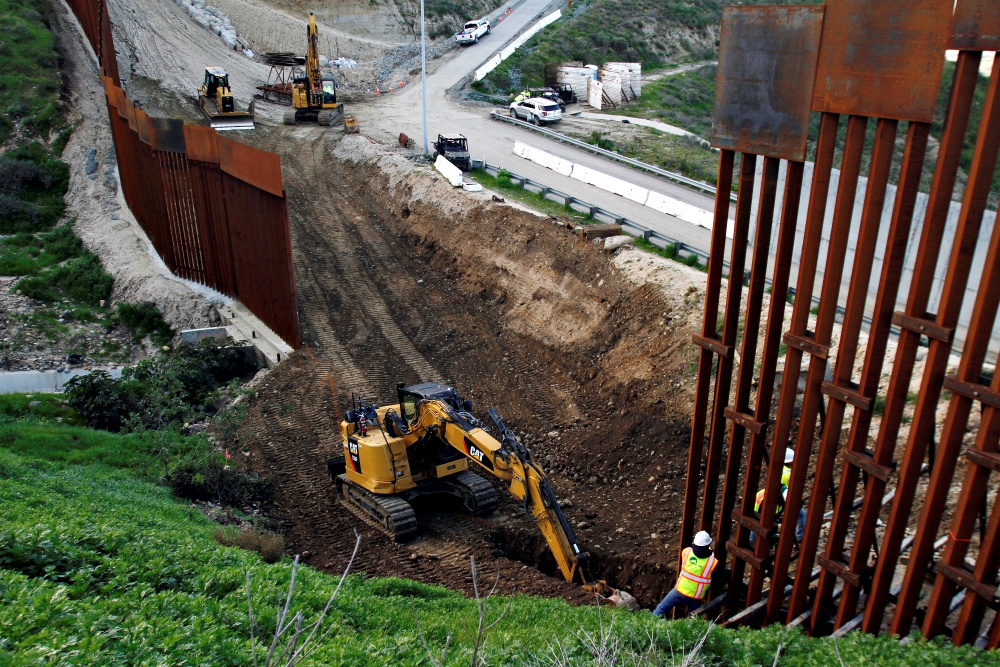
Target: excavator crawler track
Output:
[(477, 494), (390, 514)]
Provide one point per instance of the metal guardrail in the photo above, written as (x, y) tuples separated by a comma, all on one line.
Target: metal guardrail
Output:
[(597, 213), (638, 164)]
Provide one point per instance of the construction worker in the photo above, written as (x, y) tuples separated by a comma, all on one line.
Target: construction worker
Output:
[(779, 509), (786, 471), (694, 576)]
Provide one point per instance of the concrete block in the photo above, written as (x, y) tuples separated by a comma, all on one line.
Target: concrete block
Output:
[(195, 336), (452, 173)]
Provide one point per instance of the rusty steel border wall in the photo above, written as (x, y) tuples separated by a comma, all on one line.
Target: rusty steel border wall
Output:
[(871, 490), (213, 208)]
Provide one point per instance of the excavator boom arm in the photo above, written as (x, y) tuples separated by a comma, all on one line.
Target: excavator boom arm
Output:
[(312, 54), (510, 461)]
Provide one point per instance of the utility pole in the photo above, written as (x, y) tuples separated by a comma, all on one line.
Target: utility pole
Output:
[(423, 73)]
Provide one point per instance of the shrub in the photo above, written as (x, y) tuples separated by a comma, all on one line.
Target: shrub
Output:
[(156, 393), (82, 280), (211, 480), (144, 319), (32, 185)]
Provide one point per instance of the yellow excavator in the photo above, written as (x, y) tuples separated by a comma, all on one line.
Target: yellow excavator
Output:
[(395, 454), (215, 98), (314, 96)]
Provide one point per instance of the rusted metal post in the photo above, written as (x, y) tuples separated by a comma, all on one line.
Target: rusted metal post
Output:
[(798, 340), (739, 413), (842, 391), (974, 489), (915, 322), (876, 465), (765, 390), (731, 322), (812, 396), (706, 358)]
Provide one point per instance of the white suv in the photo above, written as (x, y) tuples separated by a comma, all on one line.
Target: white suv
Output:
[(472, 31), (536, 110)]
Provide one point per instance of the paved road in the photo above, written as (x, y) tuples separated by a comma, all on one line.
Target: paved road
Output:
[(494, 141)]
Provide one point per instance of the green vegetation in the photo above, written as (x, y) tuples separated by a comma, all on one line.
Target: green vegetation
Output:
[(670, 252), (99, 566), (30, 80), (32, 185), (157, 393), (502, 183), (81, 280), (144, 319), (685, 154), (653, 32), (686, 100)]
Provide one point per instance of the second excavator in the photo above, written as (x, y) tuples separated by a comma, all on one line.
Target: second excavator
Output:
[(423, 446), (314, 96)]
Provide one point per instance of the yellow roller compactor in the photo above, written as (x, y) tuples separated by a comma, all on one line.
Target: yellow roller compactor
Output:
[(215, 98), (314, 96), (423, 446)]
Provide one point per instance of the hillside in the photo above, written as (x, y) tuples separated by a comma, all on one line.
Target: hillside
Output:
[(100, 566)]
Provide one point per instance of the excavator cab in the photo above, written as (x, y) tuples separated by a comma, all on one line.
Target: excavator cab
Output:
[(410, 397), (329, 87), (215, 78)]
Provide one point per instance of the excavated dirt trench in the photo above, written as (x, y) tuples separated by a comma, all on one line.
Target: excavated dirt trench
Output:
[(402, 279)]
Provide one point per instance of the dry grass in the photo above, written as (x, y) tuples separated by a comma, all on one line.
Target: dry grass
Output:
[(270, 546)]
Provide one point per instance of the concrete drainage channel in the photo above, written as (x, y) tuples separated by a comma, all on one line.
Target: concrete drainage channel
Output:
[(46, 381)]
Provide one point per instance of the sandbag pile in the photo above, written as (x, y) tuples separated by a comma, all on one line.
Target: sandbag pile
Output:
[(211, 18)]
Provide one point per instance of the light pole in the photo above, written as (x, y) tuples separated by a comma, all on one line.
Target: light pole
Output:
[(423, 73)]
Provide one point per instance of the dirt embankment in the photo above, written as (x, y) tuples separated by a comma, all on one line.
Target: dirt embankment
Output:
[(402, 278)]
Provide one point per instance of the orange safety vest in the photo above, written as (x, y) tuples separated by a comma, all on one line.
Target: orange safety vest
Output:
[(695, 574), (759, 500)]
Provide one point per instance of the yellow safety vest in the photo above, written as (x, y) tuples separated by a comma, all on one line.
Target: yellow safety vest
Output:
[(786, 475), (695, 574)]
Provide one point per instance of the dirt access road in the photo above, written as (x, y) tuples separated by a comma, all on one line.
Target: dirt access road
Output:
[(400, 111)]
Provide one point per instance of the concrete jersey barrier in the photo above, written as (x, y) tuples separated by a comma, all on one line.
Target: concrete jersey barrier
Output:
[(638, 194)]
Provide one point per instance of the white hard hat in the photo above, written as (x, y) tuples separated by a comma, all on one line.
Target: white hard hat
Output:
[(789, 455), (784, 495), (702, 539)]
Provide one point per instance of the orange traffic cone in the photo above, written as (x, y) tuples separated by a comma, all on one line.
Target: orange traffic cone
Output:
[(400, 83), (390, 89), (378, 92)]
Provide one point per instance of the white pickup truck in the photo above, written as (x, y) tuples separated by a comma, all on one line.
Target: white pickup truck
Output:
[(472, 31)]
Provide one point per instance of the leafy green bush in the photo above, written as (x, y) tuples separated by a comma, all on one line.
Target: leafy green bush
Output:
[(32, 185), (210, 479), (82, 280), (144, 319), (156, 393), (27, 254)]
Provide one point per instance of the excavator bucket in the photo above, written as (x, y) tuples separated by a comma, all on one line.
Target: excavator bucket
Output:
[(613, 596), (350, 124)]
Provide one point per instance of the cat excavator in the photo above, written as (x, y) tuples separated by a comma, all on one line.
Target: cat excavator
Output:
[(424, 446), (314, 96)]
